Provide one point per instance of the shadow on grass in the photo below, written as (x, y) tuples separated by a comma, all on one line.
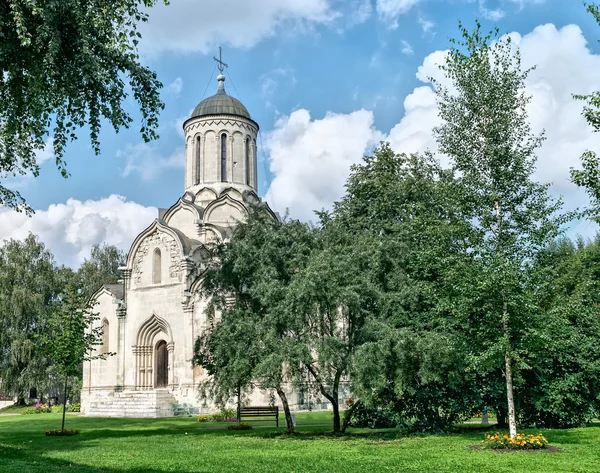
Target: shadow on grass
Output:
[(16, 459)]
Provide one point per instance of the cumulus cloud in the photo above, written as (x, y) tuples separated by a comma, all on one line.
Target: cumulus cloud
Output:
[(310, 159), (70, 230), (199, 26), (144, 159)]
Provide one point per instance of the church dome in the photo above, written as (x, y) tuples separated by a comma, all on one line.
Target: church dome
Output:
[(221, 104)]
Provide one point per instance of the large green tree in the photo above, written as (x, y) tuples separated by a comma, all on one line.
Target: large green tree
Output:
[(29, 284), (67, 65), (486, 134), (247, 282), (102, 267), (402, 202)]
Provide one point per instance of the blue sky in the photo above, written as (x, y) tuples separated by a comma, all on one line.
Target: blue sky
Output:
[(325, 79)]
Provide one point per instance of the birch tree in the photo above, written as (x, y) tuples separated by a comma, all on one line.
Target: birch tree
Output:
[(486, 133)]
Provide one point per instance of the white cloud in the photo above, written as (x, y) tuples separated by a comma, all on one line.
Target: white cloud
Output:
[(310, 159), (492, 14), (192, 25), (175, 87), (390, 10), (144, 159), (426, 25), (70, 230), (406, 48)]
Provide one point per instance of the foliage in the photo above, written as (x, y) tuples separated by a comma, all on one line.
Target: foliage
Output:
[(68, 65), (224, 415), (71, 336), (375, 418), (246, 284), (73, 407), (29, 284), (203, 418), (101, 268), (240, 426), (520, 442), (589, 176), (510, 218), (62, 433)]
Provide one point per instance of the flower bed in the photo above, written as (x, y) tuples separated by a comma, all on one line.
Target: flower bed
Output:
[(38, 409), (498, 441)]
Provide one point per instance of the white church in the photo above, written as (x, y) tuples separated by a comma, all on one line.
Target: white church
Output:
[(153, 318)]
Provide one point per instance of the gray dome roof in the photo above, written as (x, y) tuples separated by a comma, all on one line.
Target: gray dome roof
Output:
[(221, 104)]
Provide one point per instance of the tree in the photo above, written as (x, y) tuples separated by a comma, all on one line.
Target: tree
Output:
[(71, 336), (487, 136), (28, 286), (402, 202), (67, 65), (101, 268), (247, 283), (328, 306)]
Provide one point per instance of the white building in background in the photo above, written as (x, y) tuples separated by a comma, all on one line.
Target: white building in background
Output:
[(152, 320)]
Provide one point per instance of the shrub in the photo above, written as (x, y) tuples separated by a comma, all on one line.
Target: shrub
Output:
[(203, 419), (224, 415), (62, 433), (74, 408), (241, 426), (497, 441), (374, 418)]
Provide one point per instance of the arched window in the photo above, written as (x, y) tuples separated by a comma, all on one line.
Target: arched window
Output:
[(104, 346), (247, 161), (223, 157), (198, 165), (156, 267)]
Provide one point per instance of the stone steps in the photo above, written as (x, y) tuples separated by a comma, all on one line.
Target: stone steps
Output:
[(158, 403)]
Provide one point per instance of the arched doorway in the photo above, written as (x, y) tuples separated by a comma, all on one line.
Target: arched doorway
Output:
[(162, 365)]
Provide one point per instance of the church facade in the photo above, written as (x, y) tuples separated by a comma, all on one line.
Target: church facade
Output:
[(153, 318)]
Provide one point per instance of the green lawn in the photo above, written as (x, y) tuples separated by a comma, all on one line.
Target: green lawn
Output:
[(184, 445)]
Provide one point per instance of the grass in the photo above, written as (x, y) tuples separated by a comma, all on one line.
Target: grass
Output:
[(182, 444)]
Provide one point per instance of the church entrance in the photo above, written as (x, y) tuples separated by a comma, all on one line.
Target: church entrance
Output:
[(162, 365)]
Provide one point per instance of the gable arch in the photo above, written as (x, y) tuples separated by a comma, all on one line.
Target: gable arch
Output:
[(224, 210)]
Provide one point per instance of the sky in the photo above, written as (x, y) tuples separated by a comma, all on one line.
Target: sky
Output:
[(326, 80)]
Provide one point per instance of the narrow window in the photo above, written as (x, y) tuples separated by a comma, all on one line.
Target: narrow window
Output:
[(198, 165), (247, 161), (157, 267), (104, 347), (223, 157)]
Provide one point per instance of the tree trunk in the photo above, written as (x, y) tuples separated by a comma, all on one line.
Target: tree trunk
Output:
[(512, 420), (348, 416), (501, 417), (64, 404), (335, 402), (239, 404), (286, 409)]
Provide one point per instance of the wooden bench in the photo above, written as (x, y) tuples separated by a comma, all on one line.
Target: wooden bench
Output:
[(259, 411)]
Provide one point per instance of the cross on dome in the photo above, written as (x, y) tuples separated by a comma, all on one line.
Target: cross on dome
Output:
[(221, 66)]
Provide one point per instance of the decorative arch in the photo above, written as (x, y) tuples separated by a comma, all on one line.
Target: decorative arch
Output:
[(171, 240), (223, 138), (220, 204), (145, 352)]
